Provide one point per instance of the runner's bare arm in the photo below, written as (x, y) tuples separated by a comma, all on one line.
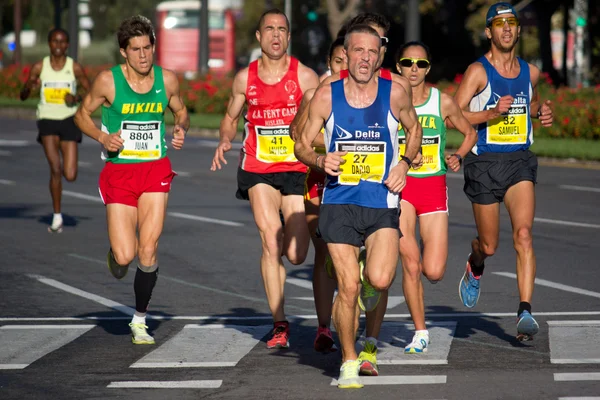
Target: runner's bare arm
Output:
[(101, 92), (318, 111), (33, 80), (542, 111), (406, 114), (177, 107), (402, 107), (451, 111), (84, 82), (229, 123), (404, 83), (301, 116), (307, 78), (474, 81)]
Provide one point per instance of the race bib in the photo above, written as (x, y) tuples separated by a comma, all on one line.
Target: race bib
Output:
[(55, 92), (364, 161), (142, 140), (430, 149), (510, 128), (273, 144)]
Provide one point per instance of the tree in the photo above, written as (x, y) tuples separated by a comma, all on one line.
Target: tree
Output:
[(338, 14)]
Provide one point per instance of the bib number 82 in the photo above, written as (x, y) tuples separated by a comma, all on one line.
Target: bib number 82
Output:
[(508, 120), (140, 136)]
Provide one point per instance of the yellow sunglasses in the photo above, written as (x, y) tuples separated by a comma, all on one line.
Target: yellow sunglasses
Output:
[(408, 62), (499, 22)]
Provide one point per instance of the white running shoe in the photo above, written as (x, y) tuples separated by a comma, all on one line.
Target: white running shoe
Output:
[(419, 343)]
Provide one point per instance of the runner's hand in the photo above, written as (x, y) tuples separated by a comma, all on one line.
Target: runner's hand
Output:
[(546, 114), (223, 147), (453, 162), (178, 137), (332, 162), (396, 179), (70, 100), (418, 161), (503, 105), (112, 142)]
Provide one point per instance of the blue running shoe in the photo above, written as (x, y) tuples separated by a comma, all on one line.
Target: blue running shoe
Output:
[(526, 327), (468, 288)]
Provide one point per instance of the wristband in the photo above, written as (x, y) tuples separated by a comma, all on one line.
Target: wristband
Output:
[(317, 162), (460, 159), (406, 160), (539, 112)]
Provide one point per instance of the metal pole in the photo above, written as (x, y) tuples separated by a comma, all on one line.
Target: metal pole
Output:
[(413, 22), (203, 39), (57, 13), (18, 24), (73, 28), (288, 12)]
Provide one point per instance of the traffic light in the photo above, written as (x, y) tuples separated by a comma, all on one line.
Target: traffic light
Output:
[(310, 9)]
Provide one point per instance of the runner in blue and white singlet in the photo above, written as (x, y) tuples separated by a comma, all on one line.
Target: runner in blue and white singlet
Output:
[(369, 136), (511, 131)]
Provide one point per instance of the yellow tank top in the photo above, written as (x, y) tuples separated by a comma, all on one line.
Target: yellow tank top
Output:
[(54, 86)]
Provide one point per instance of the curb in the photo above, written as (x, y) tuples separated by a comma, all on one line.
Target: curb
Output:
[(24, 113)]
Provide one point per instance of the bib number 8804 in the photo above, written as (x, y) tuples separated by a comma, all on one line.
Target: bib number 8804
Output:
[(140, 136)]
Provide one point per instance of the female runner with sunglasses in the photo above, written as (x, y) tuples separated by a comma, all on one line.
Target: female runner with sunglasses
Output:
[(425, 195)]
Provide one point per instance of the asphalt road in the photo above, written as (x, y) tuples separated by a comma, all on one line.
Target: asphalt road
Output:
[(63, 318)]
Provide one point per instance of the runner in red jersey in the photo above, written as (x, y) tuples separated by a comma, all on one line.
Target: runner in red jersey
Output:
[(269, 174)]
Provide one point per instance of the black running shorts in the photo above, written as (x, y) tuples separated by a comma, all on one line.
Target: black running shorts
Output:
[(352, 224), (489, 175), (65, 129), (286, 182)]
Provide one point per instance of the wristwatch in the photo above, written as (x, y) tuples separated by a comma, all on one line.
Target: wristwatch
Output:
[(460, 159), (406, 160)]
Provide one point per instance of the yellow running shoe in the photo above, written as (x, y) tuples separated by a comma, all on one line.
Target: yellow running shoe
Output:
[(349, 378), (139, 334), (117, 270), (368, 297), (368, 360)]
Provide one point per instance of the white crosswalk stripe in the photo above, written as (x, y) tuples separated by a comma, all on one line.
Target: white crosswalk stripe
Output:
[(574, 342), (205, 346), (21, 345)]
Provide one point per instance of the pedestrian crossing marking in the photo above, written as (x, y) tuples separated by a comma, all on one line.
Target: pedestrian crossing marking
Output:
[(574, 342), (21, 345), (394, 336), (400, 380), (198, 384), (197, 346)]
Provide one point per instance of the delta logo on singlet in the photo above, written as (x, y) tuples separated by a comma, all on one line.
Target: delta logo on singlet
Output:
[(138, 108), (371, 133)]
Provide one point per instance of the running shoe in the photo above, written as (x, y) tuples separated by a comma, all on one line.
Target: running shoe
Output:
[(349, 378), (324, 341), (57, 229), (527, 326), (118, 271), (368, 297), (281, 336), (468, 287), (419, 343), (329, 266), (368, 360), (139, 334)]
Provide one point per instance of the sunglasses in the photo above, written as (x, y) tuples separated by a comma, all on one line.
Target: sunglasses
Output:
[(499, 22), (408, 62), (384, 41)]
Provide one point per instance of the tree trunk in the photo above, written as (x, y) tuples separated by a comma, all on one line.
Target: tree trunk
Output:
[(336, 16)]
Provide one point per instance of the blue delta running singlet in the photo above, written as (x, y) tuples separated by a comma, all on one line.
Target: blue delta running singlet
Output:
[(369, 135), (512, 131)]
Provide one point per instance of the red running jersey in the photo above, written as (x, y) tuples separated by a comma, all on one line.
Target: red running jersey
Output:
[(267, 146)]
